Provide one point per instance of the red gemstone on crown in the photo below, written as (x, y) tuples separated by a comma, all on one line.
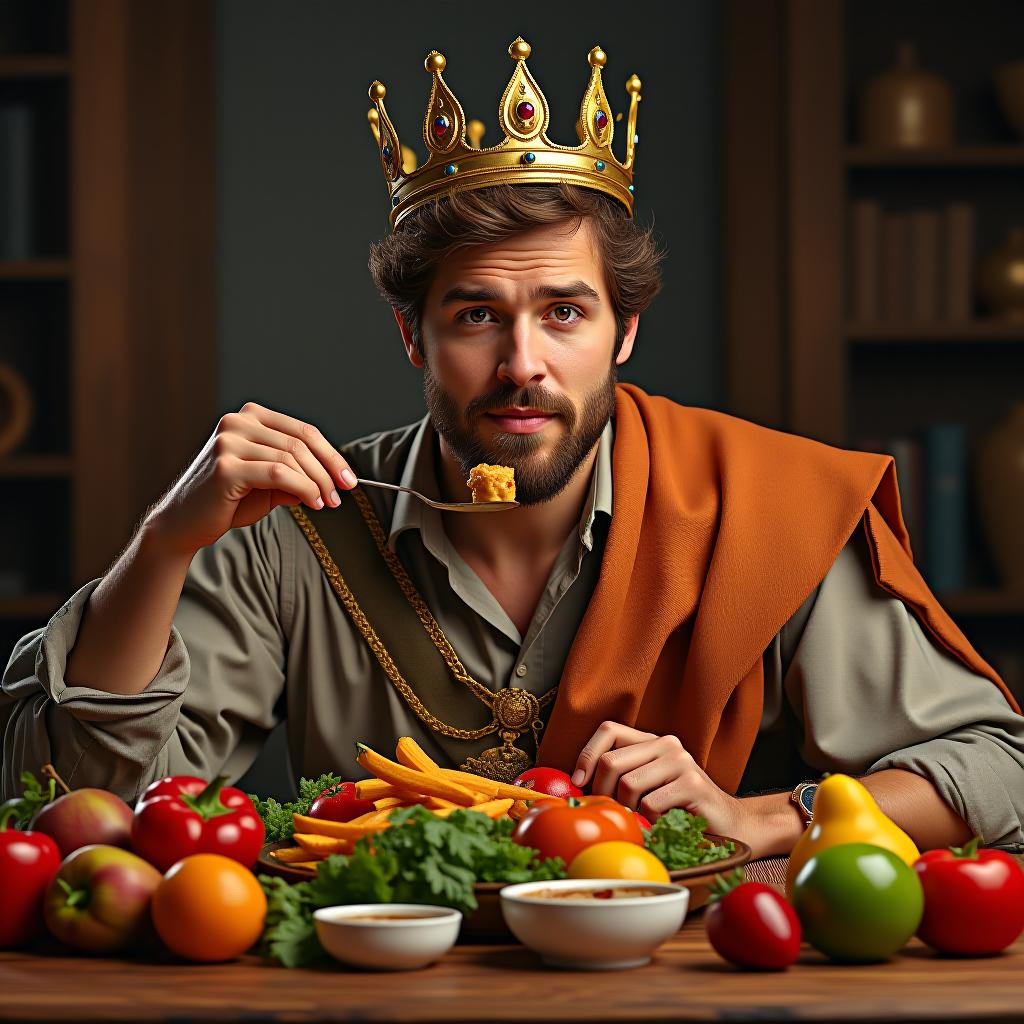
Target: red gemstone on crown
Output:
[(440, 126), (525, 111), (600, 120)]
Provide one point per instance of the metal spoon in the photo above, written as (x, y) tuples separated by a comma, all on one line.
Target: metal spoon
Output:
[(446, 506)]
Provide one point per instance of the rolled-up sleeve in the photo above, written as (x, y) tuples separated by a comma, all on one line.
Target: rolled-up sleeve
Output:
[(873, 691), (207, 710)]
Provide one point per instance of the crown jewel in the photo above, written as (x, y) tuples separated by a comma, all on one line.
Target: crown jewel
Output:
[(456, 161)]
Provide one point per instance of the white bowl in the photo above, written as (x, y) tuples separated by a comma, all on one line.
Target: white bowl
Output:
[(590, 934), (387, 936)]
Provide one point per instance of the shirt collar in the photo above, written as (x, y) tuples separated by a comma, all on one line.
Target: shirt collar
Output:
[(419, 474)]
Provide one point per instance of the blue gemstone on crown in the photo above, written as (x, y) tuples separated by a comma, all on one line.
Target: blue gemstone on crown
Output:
[(599, 164), (631, 190), (450, 168), (528, 158), (387, 152), (440, 125)]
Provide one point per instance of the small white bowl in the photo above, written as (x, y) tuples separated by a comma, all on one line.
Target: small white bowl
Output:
[(387, 936), (589, 934)]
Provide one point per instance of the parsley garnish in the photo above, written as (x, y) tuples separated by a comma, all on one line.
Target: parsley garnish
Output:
[(277, 817), (677, 840)]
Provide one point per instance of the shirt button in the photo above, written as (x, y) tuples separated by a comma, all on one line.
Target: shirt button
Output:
[(521, 671)]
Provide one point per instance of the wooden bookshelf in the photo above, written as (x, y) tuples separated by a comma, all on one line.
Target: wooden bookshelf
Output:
[(794, 168), (959, 156), (34, 66), (120, 368), (978, 330), (34, 270)]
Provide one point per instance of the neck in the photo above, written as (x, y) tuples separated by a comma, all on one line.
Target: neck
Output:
[(525, 533)]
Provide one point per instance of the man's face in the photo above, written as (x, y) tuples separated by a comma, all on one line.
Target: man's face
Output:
[(518, 340)]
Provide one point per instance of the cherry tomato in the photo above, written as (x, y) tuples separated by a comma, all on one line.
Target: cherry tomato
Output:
[(973, 899), (209, 908), (548, 780), (617, 859), (642, 821), (751, 925), (557, 829), (340, 803)]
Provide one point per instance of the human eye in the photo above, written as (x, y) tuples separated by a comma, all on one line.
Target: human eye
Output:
[(564, 314), (476, 315)]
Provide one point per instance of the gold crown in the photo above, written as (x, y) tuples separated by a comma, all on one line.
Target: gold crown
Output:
[(456, 162)]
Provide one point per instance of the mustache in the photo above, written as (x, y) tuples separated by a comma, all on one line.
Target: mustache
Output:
[(508, 396)]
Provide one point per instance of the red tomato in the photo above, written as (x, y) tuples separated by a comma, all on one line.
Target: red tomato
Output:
[(557, 829), (973, 899), (642, 821), (548, 780), (28, 862), (751, 925), (339, 803)]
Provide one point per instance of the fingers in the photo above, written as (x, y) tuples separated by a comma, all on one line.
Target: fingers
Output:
[(633, 771), (609, 735), (322, 450), (244, 476), (305, 464)]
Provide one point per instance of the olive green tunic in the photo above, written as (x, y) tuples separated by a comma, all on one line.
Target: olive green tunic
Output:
[(852, 683)]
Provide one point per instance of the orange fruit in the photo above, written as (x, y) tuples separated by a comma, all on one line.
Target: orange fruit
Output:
[(209, 908)]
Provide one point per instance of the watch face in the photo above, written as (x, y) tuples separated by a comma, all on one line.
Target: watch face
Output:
[(807, 799)]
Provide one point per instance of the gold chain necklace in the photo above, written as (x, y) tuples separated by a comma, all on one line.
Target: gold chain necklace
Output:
[(513, 710)]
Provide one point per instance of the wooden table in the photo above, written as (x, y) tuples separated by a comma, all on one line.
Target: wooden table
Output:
[(686, 981)]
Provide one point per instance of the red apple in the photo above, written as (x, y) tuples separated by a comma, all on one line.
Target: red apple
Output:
[(85, 817), (99, 900)]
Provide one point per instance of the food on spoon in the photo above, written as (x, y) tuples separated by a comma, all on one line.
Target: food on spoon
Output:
[(492, 483)]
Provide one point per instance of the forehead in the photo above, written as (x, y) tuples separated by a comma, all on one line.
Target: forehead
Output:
[(543, 255)]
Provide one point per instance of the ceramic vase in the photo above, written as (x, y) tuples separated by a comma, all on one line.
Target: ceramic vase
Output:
[(906, 107), (1001, 278), (1000, 487)]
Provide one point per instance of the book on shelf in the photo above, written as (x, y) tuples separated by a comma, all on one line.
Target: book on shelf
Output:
[(15, 181), (910, 267), (945, 504), (895, 267), (958, 261), (865, 275), (925, 266)]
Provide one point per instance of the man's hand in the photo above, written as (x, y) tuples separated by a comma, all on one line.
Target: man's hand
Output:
[(255, 460), (653, 774)]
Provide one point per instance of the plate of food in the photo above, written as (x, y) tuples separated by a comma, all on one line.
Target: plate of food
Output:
[(441, 855)]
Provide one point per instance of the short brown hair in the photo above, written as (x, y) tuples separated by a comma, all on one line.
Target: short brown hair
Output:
[(403, 263)]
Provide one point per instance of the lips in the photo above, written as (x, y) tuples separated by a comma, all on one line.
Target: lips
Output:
[(520, 421)]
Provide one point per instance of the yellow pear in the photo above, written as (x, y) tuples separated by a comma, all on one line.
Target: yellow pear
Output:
[(845, 812)]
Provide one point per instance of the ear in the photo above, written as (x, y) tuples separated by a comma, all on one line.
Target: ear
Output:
[(410, 346), (626, 350)]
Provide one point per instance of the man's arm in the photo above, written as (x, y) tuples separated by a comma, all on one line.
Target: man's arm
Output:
[(910, 800)]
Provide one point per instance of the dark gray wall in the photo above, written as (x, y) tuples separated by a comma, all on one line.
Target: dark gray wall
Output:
[(301, 193)]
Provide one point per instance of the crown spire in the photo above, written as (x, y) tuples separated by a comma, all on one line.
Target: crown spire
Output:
[(523, 156)]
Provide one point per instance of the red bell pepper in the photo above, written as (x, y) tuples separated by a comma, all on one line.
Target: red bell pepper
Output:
[(973, 899), (182, 815), (28, 863), (339, 803)]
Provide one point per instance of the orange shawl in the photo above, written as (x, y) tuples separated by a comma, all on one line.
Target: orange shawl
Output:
[(720, 530)]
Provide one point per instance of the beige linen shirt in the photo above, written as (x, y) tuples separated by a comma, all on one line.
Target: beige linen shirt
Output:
[(852, 682)]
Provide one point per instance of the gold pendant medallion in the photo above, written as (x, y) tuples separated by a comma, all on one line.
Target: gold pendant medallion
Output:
[(515, 710)]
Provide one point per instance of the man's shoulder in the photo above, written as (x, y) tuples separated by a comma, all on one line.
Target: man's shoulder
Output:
[(383, 454)]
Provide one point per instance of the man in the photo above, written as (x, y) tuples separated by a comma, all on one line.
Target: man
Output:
[(687, 610)]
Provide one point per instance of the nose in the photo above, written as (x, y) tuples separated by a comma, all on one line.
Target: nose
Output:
[(523, 359)]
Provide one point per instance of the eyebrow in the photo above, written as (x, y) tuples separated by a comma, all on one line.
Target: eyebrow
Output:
[(574, 290)]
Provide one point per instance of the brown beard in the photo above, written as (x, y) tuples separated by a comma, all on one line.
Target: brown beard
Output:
[(536, 482)]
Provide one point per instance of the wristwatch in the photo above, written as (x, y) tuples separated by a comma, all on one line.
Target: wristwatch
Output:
[(803, 797)]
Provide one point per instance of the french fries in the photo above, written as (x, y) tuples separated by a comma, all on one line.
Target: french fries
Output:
[(413, 778)]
